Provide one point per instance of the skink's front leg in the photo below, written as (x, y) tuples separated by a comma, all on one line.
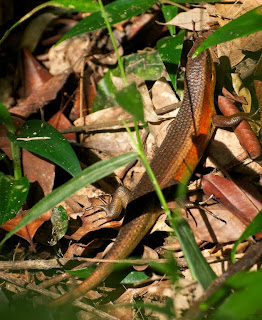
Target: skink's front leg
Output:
[(118, 202)]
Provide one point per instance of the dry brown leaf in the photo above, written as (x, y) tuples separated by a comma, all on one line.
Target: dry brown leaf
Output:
[(163, 95), (148, 253), (185, 20), (38, 170), (40, 97), (226, 12), (226, 150), (60, 121), (208, 228), (240, 197), (93, 219), (225, 147), (32, 227), (69, 54), (34, 74)]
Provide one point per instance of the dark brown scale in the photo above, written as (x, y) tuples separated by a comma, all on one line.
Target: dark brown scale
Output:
[(184, 125)]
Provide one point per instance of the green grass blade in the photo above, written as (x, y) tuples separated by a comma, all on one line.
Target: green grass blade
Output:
[(197, 264), (254, 227)]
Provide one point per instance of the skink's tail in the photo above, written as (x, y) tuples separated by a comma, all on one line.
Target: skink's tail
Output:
[(128, 238)]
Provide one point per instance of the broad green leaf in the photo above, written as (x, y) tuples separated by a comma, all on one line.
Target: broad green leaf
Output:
[(134, 276), (244, 25), (116, 11), (244, 302), (94, 173), (170, 49), (129, 98), (81, 273), (76, 5), (197, 264), (169, 12), (254, 227), (6, 119), (41, 138), (13, 194)]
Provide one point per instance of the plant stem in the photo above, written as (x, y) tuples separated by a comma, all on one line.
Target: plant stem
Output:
[(120, 63), (15, 151)]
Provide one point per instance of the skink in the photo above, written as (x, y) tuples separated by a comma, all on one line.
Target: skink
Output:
[(174, 161)]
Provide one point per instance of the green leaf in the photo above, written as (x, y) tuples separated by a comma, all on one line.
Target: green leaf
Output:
[(81, 5), (59, 220), (77, 5), (81, 273), (169, 12), (254, 227), (6, 119), (95, 172), (116, 11), (197, 264), (134, 276), (105, 90), (244, 25), (41, 138), (146, 65), (245, 299), (13, 194), (129, 98), (170, 49)]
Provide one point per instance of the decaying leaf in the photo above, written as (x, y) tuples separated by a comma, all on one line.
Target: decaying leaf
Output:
[(41, 96), (32, 227), (34, 75), (241, 198)]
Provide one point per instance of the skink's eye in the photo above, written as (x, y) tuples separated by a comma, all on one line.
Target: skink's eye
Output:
[(212, 77)]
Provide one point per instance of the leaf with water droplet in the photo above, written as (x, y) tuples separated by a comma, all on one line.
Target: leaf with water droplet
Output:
[(48, 143), (13, 194)]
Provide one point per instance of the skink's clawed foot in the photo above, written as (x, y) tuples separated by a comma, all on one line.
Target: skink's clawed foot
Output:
[(118, 201), (187, 205)]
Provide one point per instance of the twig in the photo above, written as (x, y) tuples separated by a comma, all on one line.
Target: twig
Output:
[(109, 125), (60, 263)]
